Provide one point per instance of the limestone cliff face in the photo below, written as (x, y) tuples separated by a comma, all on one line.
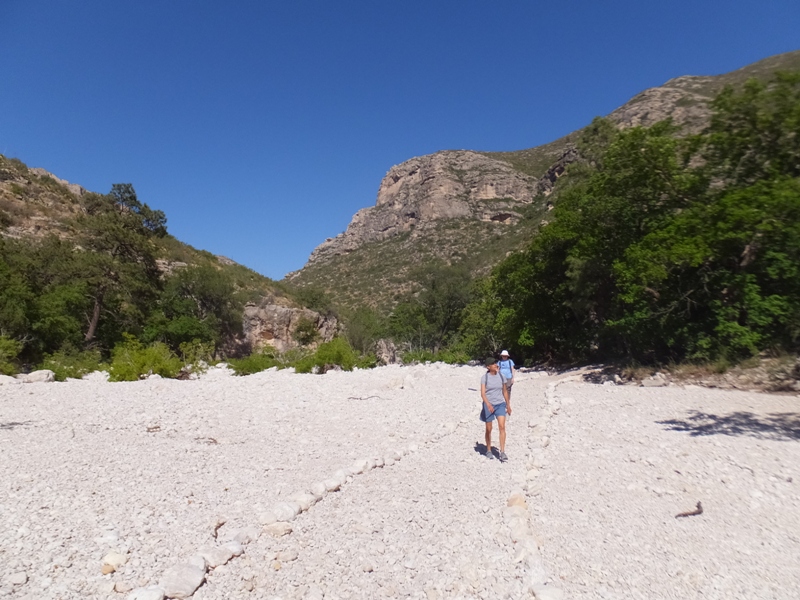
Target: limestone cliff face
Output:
[(428, 189), (272, 324), (684, 99)]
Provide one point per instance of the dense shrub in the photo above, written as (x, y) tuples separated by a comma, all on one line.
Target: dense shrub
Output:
[(9, 349), (254, 363), (130, 360), (306, 331), (70, 362), (337, 352)]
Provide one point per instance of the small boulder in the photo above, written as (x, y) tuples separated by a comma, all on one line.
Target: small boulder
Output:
[(278, 529), (152, 592), (286, 511), (181, 581), (216, 555), (41, 376)]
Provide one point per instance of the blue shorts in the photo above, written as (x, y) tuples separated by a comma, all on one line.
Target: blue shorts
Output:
[(499, 411)]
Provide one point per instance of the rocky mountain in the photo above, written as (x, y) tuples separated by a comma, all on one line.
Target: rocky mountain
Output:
[(476, 207)]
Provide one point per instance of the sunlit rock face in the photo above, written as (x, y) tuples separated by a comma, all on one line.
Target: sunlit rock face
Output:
[(428, 189)]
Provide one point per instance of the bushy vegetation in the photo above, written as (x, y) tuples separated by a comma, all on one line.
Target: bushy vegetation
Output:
[(9, 349), (664, 248), (73, 363), (254, 363), (336, 353), (131, 360), (661, 248)]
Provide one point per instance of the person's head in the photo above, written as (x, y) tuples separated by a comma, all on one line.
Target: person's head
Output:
[(504, 355), (491, 365)]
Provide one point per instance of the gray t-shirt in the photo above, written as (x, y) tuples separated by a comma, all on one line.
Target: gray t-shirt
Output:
[(494, 388)]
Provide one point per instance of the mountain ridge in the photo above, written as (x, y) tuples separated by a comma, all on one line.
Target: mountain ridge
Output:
[(506, 195)]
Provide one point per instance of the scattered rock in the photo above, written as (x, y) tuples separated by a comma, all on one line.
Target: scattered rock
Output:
[(278, 529), (286, 511), (41, 376), (122, 587), (182, 580), (152, 592), (19, 578), (216, 555), (115, 559)]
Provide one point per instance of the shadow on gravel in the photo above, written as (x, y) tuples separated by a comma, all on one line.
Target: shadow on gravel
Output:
[(14, 424), (481, 449), (775, 426)]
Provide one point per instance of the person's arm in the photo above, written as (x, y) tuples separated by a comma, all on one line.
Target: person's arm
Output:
[(488, 404), (508, 399), (513, 366)]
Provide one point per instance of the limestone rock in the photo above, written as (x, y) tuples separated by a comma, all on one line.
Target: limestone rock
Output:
[(279, 529), (272, 324), (386, 352), (115, 559), (442, 186), (216, 555), (286, 511), (182, 580), (152, 592), (42, 376)]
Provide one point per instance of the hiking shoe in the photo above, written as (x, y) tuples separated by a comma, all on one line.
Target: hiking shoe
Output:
[(488, 454), (503, 457)]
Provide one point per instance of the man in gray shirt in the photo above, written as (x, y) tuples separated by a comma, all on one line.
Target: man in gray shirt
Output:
[(496, 404)]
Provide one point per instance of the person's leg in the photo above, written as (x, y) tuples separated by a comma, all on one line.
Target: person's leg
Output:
[(501, 424), (488, 436)]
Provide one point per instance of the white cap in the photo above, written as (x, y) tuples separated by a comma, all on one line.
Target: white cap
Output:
[(504, 353)]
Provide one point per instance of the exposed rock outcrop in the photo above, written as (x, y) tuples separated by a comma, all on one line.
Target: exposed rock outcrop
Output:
[(72, 187), (271, 324), (684, 99), (428, 189)]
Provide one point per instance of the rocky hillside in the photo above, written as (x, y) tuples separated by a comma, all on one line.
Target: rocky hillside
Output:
[(35, 204), (476, 207)]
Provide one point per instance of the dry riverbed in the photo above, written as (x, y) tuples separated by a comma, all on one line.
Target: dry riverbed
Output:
[(105, 488)]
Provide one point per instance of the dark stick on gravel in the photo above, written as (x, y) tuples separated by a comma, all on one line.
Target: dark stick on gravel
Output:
[(691, 513)]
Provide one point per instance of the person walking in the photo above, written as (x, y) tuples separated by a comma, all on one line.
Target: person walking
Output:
[(507, 370), (496, 404)]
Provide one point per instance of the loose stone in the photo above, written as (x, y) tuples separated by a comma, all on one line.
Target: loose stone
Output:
[(182, 580), (152, 592), (278, 529)]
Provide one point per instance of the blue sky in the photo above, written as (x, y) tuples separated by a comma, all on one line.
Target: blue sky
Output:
[(261, 127)]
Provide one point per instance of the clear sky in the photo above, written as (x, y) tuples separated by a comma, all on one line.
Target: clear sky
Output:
[(260, 127)]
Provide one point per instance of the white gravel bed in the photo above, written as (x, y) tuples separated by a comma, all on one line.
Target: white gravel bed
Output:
[(149, 468), (624, 461), (430, 526), (147, 475)]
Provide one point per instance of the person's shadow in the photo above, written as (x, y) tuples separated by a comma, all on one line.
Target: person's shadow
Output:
[(481, 449)]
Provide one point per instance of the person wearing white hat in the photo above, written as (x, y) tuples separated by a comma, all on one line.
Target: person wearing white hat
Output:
[(507, 369)]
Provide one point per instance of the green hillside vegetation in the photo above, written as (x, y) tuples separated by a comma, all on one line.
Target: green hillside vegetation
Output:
[(662, 245), (90, 280), (666, 248)]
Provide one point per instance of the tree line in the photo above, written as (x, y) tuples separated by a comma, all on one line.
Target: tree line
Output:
[(661, 247), (87, 291)]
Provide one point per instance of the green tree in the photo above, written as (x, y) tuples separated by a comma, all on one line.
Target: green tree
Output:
[(118, 262), (197, 303)]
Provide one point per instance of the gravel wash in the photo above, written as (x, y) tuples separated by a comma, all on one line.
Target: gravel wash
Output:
[(370, 485), (624, 461)]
